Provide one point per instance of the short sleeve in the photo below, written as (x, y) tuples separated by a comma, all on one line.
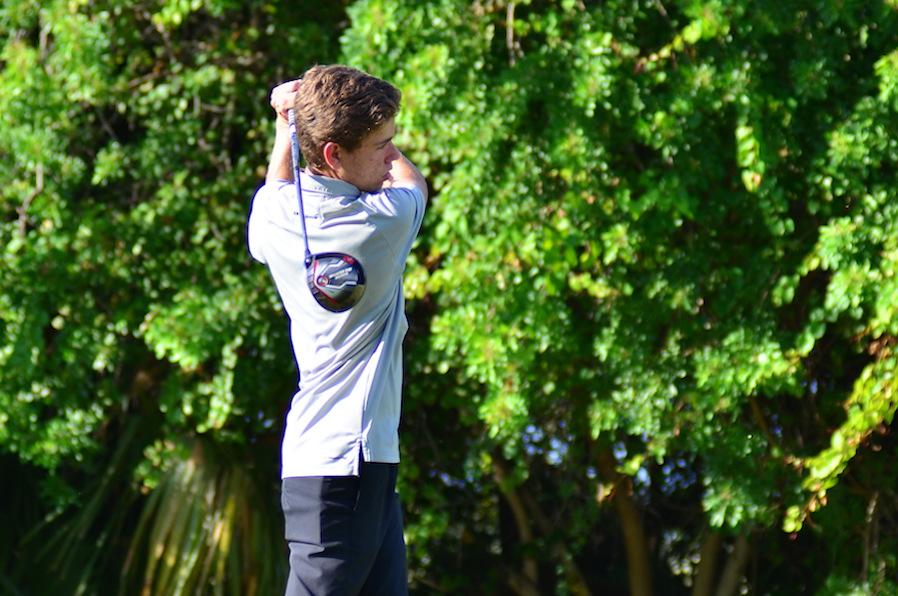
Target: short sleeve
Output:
[(257, 223), (403, 211)]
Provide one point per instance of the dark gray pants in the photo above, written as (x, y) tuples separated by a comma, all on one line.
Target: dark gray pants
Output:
[(345, 534)]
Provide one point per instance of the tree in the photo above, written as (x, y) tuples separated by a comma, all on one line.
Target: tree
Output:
[(651, 344), (144, 361), (658, 263)]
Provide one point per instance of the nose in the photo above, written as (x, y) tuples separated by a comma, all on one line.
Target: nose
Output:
[(392, 154)]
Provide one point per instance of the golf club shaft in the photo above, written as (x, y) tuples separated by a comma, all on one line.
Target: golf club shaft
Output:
[(294, 146)]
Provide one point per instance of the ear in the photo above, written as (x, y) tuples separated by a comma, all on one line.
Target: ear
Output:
[(332, 153)]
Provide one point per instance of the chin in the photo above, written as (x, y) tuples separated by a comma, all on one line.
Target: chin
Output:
[(376, 187)]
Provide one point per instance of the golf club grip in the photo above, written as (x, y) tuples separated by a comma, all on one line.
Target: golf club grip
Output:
[(294, 143)]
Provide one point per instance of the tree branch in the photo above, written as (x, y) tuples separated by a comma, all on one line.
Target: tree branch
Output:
[(869, 542), (638, 567), (532, 510), (519, 583), (23, 208), (500, 474), (509, 33), (576, 581)]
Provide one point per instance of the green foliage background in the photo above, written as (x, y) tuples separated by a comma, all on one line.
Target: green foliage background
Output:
[(653, 342)]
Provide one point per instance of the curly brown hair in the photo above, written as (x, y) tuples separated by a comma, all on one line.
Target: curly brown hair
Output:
[(343, 105)]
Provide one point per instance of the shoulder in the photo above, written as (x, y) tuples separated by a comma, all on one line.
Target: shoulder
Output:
[(274, 202), (397, 201), (270, 192), (269, 208)]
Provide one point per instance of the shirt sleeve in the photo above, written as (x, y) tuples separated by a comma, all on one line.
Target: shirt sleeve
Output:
[(257, 223), (403, 211)]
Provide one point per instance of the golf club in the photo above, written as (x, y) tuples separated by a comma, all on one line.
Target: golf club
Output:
[(336, 280)]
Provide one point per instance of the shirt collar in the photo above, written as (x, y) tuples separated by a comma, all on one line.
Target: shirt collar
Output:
[(329, 187)]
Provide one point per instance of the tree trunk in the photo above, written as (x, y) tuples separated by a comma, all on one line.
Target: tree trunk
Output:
[(530, 509), (530, 569), (638, 567), (520, 584), (707, 566), (734, 569), (576, 582)]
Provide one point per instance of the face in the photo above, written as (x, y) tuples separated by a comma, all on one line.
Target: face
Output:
[(368, 166)]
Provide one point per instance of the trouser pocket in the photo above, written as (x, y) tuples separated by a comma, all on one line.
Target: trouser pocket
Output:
[(319, 509), (339, 500)]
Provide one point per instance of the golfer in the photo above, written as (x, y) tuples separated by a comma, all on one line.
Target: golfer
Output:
[(363, 201)]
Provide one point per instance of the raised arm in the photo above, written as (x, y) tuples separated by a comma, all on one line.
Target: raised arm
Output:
[(280, 166), (404, 173)]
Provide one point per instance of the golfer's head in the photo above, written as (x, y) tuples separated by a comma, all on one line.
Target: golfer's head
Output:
[(345, 121)]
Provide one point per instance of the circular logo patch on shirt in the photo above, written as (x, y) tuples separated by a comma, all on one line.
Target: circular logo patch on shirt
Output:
[(337, 281)]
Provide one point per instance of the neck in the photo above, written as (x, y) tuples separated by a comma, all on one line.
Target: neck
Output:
[(326, 171)]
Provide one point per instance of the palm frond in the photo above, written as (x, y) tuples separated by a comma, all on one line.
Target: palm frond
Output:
[(69, 551), (208, 527), (212, 525)]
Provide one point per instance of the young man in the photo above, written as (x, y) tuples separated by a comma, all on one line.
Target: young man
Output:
[(362, 198)]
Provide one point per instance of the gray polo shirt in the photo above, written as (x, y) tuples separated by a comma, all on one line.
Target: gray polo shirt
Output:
[(350, 363)]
